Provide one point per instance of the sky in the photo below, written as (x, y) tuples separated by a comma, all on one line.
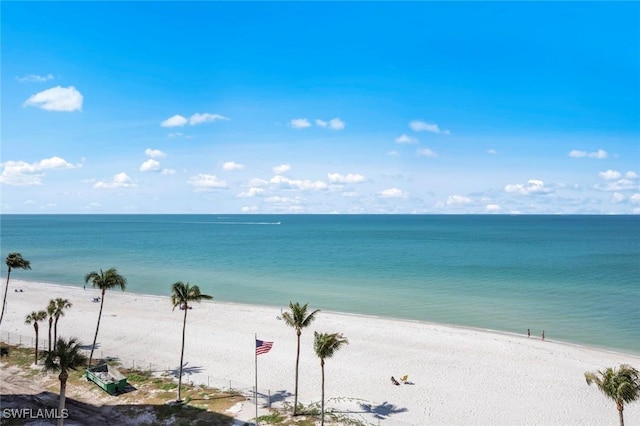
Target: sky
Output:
[(320, 107)]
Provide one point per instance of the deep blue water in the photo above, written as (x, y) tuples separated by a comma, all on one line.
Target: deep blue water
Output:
[(577, 277)]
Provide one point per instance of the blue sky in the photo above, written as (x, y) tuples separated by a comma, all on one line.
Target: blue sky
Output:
[(320, 107)]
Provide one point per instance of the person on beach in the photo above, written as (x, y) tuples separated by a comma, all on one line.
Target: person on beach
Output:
[(542, 334), (394, 381), (528, 332)]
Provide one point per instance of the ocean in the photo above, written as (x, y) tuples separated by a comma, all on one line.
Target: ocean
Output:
[(576, 277)]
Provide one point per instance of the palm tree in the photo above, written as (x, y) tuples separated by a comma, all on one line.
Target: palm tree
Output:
[(104, 281), (51, 310), (298, 319), (326, 345), (65, 356), (621, 385), (181, 295), (13, 261), (61, 305), (33, 318)]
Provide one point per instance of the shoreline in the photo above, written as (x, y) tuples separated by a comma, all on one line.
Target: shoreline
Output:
[(543, 380), (605, 349)]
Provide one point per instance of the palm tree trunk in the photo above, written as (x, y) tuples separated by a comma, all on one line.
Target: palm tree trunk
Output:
[(295, 400), (322, 403), (184, 327), (620, 408), (55, 330), (35, 325), (6, 290), (95, 338), (63, 389), (50, 324)]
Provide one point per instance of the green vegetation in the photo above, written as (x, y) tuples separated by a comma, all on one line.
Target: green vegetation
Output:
[(621, 385), (13, 261), (104, 281), (326, 345), (181, 295), (34, 318), (65, 356), (298, 318)]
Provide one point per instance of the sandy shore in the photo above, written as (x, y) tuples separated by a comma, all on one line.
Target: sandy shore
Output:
[(460, 376)]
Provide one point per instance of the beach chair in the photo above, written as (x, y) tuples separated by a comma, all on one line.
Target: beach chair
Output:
[(404, 378)]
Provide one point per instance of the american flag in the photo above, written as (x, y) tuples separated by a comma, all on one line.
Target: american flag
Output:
[(263, 347)]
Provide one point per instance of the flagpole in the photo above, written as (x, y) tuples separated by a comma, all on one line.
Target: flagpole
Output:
[(255, 393)]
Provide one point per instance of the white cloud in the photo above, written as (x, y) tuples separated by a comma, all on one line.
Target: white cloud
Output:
[(174, 134), (615, 181), (252, 192), (492, 208), (257, 182), (350, 194), (175, 121), (533, 186), (204, 182), (282, 200), (349, 178), (492, 151), (121, 180), (303, 185), (154, 153), (610, 175), (283, 168), (34, 78), (168, 172), (232, 165), (617, 198), (426, 152), (57, 99), (458, 200), (391, 193), (198, 118), (21, 173), (150, 165), (299, 123), (599, 154), (393, 153), (406, 139), (635, 199), (336, 124), (421, 126)]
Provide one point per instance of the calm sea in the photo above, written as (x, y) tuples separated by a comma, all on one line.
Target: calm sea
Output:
[(576, 277)]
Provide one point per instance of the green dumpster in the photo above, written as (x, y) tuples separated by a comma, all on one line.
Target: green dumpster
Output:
[(107, 377)]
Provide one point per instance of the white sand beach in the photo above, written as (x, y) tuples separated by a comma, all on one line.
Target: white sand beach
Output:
[(459, 376)]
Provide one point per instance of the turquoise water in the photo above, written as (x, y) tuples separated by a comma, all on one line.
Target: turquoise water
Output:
[(576, 277)]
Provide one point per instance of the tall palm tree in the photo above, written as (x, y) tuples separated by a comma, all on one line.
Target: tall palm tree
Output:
[(51, 311), (298, 318), (65, 356), (326, 345), (104, 281), (181, 295), (61, 305), (621, 385), (33, 318), (13, 261)]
